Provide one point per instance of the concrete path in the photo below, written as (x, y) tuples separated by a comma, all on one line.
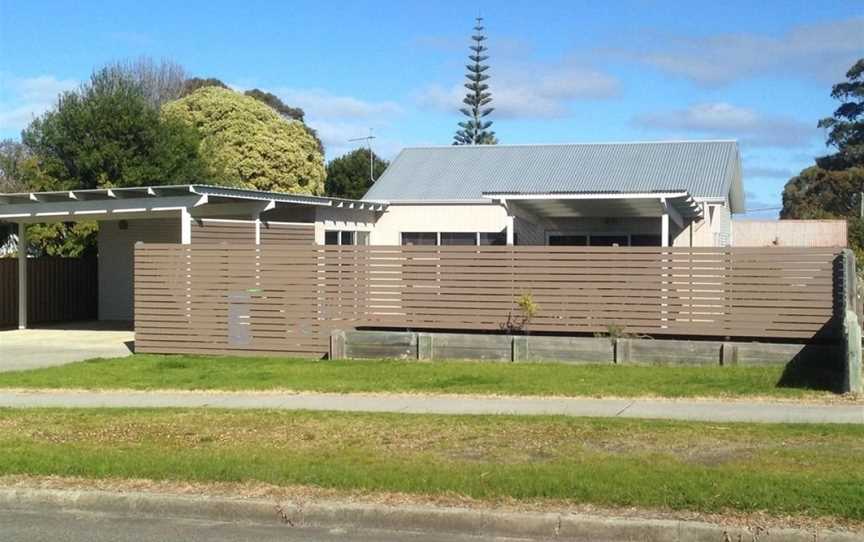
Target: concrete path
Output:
[(694, 410), (23, 349)]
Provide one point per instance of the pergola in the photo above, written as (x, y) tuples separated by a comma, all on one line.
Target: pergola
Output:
[(186, 201), (678, 206)]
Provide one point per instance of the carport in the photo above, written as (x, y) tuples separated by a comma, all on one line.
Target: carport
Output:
[(171, 214)]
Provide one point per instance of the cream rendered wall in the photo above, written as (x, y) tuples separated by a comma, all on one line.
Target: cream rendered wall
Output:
[(340, 218), (714, 230), (116, 258), (400, 218)]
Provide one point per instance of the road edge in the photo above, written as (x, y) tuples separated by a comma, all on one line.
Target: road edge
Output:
[(417, 518)]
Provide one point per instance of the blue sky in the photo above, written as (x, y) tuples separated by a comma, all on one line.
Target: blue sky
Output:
[(562, 71)]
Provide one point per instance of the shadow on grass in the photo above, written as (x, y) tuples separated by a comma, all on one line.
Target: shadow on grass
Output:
[(812, 368)]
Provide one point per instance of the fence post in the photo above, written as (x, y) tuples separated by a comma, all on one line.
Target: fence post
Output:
[(337, 344), (852, 378)]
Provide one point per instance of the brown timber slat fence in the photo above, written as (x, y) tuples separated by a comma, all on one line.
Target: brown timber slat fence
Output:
[(58, 289), (276, 233), (288, 299)]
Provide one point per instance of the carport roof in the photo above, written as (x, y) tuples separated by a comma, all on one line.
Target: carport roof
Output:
[(28, 205)]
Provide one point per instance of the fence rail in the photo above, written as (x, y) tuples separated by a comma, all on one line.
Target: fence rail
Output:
[(288, 299), (58, 289)]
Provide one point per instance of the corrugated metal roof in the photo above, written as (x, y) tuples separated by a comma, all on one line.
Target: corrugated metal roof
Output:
[(705, 169)]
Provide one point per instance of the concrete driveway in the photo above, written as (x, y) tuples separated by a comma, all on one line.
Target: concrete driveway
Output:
[(63, 343)]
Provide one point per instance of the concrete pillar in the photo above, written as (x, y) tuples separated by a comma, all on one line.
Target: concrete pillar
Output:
[(185, 227), (22, 275)]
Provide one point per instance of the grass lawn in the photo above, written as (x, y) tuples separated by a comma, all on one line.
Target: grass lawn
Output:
[(805, 470), (147, 372)]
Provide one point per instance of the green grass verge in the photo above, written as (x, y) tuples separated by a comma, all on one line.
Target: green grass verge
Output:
[(148, 372), (799, 470)]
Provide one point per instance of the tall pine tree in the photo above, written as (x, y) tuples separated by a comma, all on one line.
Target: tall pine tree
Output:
[(475, 130)]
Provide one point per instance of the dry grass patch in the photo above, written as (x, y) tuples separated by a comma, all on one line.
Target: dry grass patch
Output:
[(812, 471)]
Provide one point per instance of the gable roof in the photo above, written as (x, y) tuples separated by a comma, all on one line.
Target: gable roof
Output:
[(704, 169)]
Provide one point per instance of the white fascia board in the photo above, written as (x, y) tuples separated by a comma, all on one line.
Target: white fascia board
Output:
[(484, 201), (588, 196), (79, 206)]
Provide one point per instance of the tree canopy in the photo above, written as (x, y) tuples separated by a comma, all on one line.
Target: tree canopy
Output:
[(248, 143), (833, 187), (475, 130), (107, 134), (348, 175)]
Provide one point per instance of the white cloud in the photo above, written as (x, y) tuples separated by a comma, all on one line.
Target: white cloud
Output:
[(337, 119), (822, 51), (321, 104), (24, 98), (767, 172), (729, 121), (530, 91)]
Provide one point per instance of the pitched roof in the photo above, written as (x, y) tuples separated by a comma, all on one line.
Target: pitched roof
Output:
[(704, 169)]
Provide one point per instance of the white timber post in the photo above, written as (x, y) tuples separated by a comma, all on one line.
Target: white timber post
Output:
[(510, 232), (22, 275), (664, 224), (185, 227)]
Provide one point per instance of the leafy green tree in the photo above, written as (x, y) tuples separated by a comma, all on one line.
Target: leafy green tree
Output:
[(248, 143), (108, 134), (475, 130), (67, 240), (833, 187), (294, 113), (194, 83), (273, 101), (14, 157), (348, 175), (846, 126)]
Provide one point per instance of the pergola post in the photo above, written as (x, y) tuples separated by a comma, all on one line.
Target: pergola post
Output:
[(22, 275), (510, 233), (664, 224), (185, 227)]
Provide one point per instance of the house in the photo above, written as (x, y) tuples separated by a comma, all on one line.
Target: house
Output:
[(673, 193), (669, 193)]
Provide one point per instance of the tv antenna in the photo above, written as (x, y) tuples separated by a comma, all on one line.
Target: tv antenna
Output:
[(368, 139)]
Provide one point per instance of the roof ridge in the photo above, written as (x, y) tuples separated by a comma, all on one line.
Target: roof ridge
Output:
[(587, 143)]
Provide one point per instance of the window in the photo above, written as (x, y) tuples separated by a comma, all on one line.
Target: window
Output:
[(644, 240), (456, 238), (459, 238), (419, 238), (339, 237), (609, 241), (494, 238), (562, 240)]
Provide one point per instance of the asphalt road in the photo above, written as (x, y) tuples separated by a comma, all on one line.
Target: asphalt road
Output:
[(78, 526)]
